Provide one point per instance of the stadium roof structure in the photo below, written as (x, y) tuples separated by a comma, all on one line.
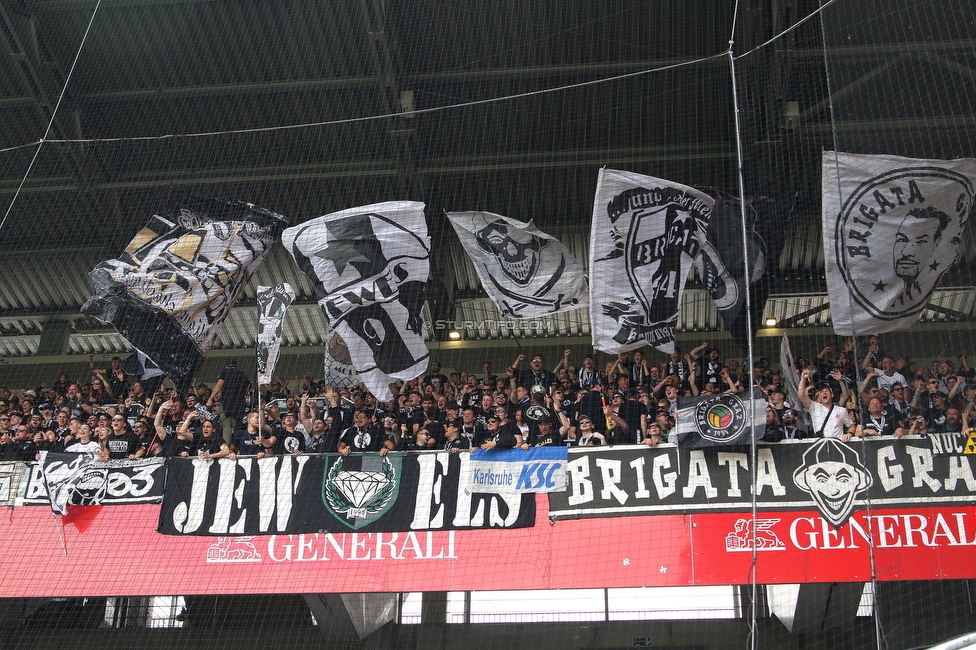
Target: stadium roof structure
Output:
[(512, 107)]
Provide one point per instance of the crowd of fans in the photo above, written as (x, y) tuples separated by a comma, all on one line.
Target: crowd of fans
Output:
[(629, 401)]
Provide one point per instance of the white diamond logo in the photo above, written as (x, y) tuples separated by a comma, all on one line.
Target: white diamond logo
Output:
[(360, 488)]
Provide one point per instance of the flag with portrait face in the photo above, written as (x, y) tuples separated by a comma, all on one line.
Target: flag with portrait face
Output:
[(369, 266), (646, 233), (526, 272), (892, 228), (174, 285)]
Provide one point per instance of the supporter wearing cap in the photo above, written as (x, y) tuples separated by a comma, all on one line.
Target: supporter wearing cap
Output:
[(453, 440), (498, 437), (777, 399)]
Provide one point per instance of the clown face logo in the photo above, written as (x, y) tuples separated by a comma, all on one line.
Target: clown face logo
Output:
[(517, 251), (833, 475)]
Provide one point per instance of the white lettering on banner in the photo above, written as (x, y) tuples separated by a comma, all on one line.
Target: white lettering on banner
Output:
[(734, 461), (911, 530), (665, 484), (766, 474), (352, 547), (429, 512), (276, 488), (889, 472), (698, 477), (610, 471), (922, 466), (580, 485)]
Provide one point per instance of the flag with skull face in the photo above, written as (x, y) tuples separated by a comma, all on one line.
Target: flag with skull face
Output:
[(273, 302), (526, 272)]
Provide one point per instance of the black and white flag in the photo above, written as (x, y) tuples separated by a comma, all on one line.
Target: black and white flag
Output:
[(368, 266), (721, 262), (892, 227), (62, 474), (339, 371), (526, 272), (273, 302), (722, 419), (645, 235), (173, 286)]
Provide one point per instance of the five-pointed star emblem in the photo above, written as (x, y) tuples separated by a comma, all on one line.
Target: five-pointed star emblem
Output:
[(340, 252)]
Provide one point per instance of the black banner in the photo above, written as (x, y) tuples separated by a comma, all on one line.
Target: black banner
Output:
[(311, 493), (824, 474), (115, 482)]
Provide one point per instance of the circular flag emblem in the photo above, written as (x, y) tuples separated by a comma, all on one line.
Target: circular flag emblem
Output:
[(720, 418)]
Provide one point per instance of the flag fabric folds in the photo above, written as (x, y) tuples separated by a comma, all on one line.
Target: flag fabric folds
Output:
[(526, 272), (273, 302), (62, 473), (169, 291), (369, 266), (721, 262), (339, 371), (722, 419), (891, 227), (646, 233)]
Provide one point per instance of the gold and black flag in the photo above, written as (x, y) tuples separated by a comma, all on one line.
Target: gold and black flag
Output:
[(169, 291)]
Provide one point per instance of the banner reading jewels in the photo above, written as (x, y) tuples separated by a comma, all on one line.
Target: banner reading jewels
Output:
[(311, 493), (115, 482), (825, 474)]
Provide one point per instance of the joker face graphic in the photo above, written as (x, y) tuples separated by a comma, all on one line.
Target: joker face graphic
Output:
[(833, 475)]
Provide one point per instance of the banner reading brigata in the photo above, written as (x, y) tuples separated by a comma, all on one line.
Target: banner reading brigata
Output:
[(332, 493), (835, 478)]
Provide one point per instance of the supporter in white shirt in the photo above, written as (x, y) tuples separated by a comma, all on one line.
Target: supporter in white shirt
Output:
[(829, 420)]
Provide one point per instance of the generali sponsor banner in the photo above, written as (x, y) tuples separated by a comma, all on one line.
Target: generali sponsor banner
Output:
[(825, 474), (539, 469), (333, 493), (70, 560), (114, 482)]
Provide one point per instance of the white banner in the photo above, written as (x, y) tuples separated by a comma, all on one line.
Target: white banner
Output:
[(892, 227), (526, 272), (273, 302), (369, 266), (646, 233)]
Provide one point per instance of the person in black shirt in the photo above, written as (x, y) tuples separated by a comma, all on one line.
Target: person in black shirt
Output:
[(22, 446), (498, 438), (361, 437), (230, 390), (208, 444), (453, 440), (253, 440), (123, 443)]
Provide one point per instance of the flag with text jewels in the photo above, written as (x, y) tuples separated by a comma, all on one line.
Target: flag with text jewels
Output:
[(170, 290), (369, 266), (721, 263), (646, 233), (273, 302), (892, 228), (723, 419), (526, 272)]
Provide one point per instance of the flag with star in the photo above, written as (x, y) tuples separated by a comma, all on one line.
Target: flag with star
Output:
[(169, 292), (368, 267), (892, 228)]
